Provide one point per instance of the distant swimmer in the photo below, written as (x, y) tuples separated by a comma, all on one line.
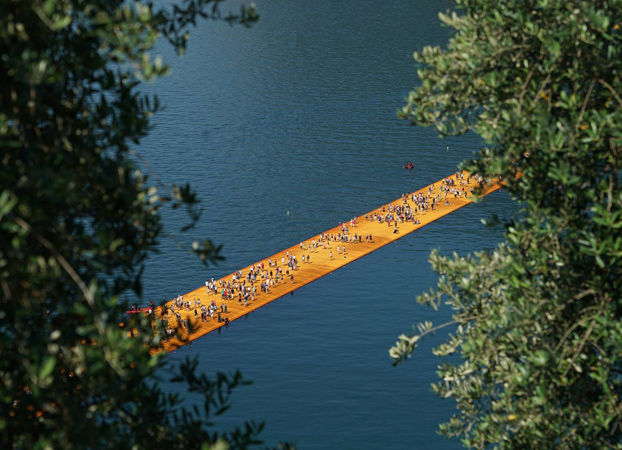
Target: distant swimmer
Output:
[(409, 166)]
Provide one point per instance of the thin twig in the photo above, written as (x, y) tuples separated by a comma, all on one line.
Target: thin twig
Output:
[(544, 83), (587, 97), (612, 90), (61, 260), (583, 341), (151, 170), (524, 91)]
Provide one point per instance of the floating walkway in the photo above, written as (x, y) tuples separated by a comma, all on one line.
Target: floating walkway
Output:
[(320, 261)]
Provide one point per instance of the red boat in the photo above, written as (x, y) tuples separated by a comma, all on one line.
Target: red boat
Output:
[(139, 310)]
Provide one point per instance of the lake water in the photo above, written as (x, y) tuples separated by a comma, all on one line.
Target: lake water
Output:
[(298, 114)]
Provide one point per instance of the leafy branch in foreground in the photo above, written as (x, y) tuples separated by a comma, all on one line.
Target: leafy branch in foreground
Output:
[(537, 319), (78, 220)]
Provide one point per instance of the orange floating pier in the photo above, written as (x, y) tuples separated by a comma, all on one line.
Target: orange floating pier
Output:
[(330, 252)]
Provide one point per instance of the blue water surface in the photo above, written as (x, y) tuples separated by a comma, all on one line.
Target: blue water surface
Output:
[(298, 114)]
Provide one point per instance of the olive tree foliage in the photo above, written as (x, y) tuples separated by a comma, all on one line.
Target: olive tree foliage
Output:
[(77, 220), (536, 329)]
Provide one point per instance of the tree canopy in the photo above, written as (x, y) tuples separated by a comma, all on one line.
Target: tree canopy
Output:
[(537, 320), (78, 218)]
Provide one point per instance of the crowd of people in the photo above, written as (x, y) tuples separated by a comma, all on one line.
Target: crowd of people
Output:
[(268, 275)]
